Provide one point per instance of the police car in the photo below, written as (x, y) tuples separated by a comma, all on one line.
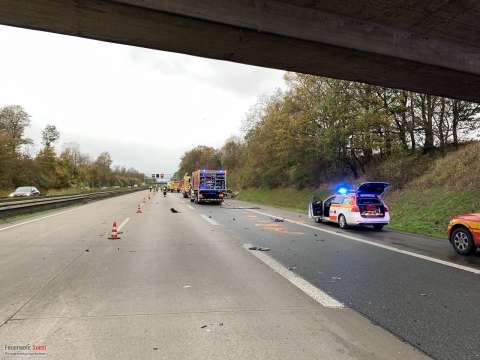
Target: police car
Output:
[(363, 206)]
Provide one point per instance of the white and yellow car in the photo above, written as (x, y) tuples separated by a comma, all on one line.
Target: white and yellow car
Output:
[(363, 206)]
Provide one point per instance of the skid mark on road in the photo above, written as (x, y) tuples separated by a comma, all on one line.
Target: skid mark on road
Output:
[(312, 291), (372, 243)]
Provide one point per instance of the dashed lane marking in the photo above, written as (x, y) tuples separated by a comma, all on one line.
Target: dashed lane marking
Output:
[(309, 289), (372, 243), (37, 219), (124, 222), (210, 220)]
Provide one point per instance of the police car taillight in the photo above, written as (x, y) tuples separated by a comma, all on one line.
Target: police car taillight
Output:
[(386, 208), (355, 208)]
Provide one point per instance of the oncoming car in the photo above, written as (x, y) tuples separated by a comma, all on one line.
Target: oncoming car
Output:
[(363, 206), (464, 233), (25, 191)]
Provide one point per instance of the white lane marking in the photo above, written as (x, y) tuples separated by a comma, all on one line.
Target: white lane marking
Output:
[(309, 289), (123, 223), (210, 220), (37, 219), (372, 243), (190, 207)]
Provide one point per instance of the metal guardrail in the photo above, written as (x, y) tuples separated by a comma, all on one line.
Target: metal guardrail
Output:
[(10, 208)]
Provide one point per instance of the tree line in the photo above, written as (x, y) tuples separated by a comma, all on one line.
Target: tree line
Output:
[(48, 169), (319, 129)]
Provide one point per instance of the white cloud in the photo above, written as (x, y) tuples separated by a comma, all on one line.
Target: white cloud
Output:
[(145, 107)]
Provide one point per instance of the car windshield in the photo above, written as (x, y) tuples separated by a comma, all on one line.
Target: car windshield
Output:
[(24, 189)]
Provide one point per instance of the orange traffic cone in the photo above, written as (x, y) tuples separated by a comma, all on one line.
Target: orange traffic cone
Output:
[(139, 209), (114, 235)]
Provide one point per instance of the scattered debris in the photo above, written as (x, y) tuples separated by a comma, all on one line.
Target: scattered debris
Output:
[(86, 250), (423, 294), (220, 324), (315, 234), (292, 268), (259, 248), (203, 326), (155, 348), (278, 220), (233, 219), (336, 278), (187, 286), (209, 216), (174, 211)]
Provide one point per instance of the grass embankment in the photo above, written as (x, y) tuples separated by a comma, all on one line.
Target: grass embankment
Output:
[(282, 197), (448, 186)]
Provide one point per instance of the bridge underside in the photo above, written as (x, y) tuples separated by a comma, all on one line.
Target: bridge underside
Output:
[(418, 45)]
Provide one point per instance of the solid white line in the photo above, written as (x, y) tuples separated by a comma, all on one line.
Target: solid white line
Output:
[(211, 221), (190, 207), (36, 219), (123, 223), (309, 289), (372, 243)]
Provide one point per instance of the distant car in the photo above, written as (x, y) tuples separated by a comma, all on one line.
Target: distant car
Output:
[(25, 191), (363, 206), (464, 233)]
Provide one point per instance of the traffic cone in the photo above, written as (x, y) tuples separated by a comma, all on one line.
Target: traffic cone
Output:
[(139, 209), (114, 235)]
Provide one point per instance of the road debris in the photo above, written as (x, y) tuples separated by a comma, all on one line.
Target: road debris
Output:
[(423, 294), (187, 286), (259, 248), (278, 220), (174, 211), (292, 268), (87, 250), (336, 278), (233, 219)]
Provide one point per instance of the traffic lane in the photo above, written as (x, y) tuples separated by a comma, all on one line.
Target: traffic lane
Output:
[(180, 287), (33, 254), (439, 248), (426, 304)]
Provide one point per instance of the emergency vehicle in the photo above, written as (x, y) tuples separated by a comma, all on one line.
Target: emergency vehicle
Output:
[(464, 233), (363, 206), (208, 186)]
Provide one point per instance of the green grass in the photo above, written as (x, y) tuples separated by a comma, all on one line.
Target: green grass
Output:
[(282, 197), (416, 210), (428, 211)]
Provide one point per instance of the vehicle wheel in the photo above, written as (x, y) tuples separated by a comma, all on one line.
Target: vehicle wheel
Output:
[(318, 220), (462, 241), (342, 222), (378, 227)]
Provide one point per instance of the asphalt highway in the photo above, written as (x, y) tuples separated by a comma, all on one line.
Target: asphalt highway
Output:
[(185, 284)]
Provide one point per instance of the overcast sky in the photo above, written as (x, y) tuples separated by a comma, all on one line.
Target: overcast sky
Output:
[(145, 107)]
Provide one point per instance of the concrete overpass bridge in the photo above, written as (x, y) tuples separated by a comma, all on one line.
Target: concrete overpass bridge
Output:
[(425, 46)]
